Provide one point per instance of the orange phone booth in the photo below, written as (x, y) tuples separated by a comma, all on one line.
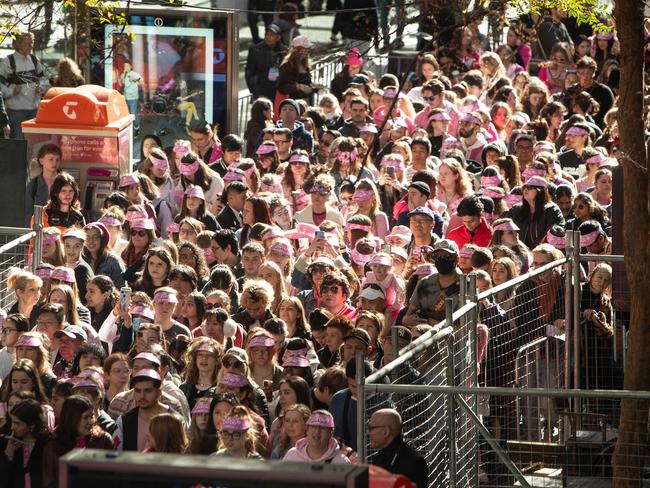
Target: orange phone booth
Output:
[(93, 127)]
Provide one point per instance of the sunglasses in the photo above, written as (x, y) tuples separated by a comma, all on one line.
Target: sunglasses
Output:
[(528, 187), (139, 233), (331, 289), (430, 99)]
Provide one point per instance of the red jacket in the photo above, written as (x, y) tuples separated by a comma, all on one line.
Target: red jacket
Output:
[(482, 235)]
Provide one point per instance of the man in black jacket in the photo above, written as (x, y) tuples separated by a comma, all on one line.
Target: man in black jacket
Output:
[(263, 63), (395, 455)]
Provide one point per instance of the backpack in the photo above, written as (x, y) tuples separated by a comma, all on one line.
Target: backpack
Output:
[(25, 76)]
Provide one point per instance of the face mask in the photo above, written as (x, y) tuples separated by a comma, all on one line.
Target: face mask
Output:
[(445, 265)]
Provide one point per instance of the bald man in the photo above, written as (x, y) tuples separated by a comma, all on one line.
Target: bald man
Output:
[(395, 455)]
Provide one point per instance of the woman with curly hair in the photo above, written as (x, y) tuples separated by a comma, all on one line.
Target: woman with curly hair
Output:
[(203, 360), (193, 256)]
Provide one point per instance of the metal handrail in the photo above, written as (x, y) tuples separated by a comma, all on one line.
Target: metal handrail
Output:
[(18, 241)]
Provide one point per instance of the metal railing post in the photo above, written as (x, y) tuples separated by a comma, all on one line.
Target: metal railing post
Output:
[(568, 297), (473, 323), (575, 261), (38, 240), (361, 408), (451, 406)]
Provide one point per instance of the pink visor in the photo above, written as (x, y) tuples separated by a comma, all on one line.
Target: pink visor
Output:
[(381, 259), (235, 423), (399, 251), (425, 270), (390, 93), (74, 232), (261, 340), (267, 148), (272, 233), (492, 193), (597, 159), (295, 361), (490, 181), (195, 191), (513, 200), (363, 195), (577, 131), (369, 129), (28, 341), (64, 274), (234, 175), (299, 158), (128, 180), (181, 149), (44, 273), (202, 406), (165, 297), (556, 241), (364, 228), (51, 238), (466, 252), (472, 119), (360, 259), (132, 215), (234, 380), (276, 188), (173, 228), (147, 374), (159, 163), (589, 239), (145, 224), (509, 225), (148, 356), (282, 248), (440, 116), (536, 181), (206, 347), (112, 221), (319, 419), (145, 312), (86, 383)]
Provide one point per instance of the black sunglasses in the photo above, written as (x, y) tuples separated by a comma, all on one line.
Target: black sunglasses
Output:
[(139, 233)]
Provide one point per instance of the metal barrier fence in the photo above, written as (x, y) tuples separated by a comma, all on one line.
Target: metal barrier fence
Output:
[(538, 344), (19, 248)]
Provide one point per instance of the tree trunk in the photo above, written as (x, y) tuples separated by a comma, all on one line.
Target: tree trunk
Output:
[(632, 446)]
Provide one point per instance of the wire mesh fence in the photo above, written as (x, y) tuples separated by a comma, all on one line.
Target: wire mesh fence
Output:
[(14, 250)]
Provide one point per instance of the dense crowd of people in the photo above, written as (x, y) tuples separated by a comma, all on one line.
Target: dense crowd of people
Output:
[(217, 303)]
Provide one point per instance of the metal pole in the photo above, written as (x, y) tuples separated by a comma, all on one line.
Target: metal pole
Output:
[(38, 241), (473, 365), (451, 408), (568, 293), (361, 407), (394, 344), (575, 259), (493, 443)]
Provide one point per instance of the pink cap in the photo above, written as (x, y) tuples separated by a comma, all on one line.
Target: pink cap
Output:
[(86, 383), (234, 380), (44, 273), (399, 251), (202, 405), (354, 58), (508, 225), (267, 147), (577, 131), (466, 252), (235, 423), (589, 239), (261, 340), (381, 259), (556, 241), (64, 274), (195, 191), (145, 224), (400, 232), (272, 233), (472, 119), (299, 158), (148, 356), (321, 419), (28, 341), (74, 232), (145, 312), (165, 297), (132, 215), (282, 248), (536, 181), (173, 228), (128, 180)]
